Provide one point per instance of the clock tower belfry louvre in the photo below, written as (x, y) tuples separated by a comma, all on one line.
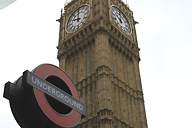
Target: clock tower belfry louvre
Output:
[(98, 49)]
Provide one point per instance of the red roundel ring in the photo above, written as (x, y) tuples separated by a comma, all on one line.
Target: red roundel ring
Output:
[(68, 120)]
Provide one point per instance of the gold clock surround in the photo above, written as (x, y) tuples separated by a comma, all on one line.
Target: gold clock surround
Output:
[(127, 18), (68, 17)]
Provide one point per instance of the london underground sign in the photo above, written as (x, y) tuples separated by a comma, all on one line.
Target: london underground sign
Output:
[(55, 92), (45, 97)]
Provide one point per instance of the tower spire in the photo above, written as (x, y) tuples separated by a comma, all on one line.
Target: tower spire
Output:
[(65, 3), (127, 4), (61, 12)]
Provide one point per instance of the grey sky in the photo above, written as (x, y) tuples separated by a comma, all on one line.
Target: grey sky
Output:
[(29, 36)]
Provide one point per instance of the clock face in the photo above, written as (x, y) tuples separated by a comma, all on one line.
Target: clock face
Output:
[(78, 18), (120, 20)]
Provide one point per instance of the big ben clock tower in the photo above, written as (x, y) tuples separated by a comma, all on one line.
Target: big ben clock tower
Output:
[(98, 49)]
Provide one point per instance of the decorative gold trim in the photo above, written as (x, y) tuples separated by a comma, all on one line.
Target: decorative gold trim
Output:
[(128, 19), (73, 13), (75, 32), (91, 9)]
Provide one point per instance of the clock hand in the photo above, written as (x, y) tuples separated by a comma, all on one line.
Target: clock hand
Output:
[(119, 18), (77, 19), (78, 16)]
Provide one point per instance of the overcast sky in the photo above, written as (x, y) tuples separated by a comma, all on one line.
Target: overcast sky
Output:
[(29, 36)]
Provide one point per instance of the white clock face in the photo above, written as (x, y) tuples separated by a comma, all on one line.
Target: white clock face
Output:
[(78, 18), (120, 20)]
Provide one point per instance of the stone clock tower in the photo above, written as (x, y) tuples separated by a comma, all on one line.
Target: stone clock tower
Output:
[(98, 49)]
